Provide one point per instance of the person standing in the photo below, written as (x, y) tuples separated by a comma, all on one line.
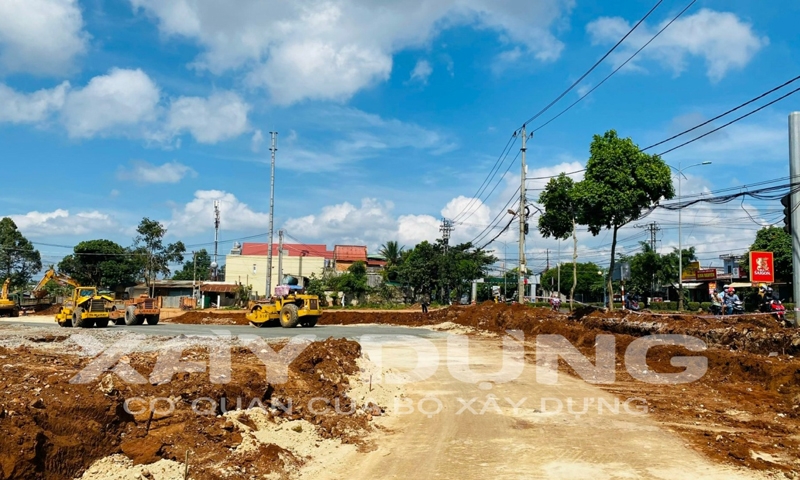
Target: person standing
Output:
[(424, 303)]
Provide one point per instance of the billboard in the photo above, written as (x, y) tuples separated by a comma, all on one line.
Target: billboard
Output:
[(705, 275), (762, 267), (690, 271)]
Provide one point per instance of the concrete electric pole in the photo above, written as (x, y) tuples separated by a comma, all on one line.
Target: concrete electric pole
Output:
[(794, 175), (280, 257), (273, 148), (215, 265), (522, 219)]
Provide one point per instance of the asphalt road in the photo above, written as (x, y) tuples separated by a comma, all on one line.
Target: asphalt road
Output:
[(175, 329)]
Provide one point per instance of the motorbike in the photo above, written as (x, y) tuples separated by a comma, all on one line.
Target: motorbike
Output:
[(556, 304), (738, 308), (715, 309), (633, 304), (776, 308), (778, 311)]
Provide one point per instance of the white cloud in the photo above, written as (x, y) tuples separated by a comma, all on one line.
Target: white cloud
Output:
[(34, 107), (738, 144), (144, 172), (62, 222), (129, 103), (221, 116), (256, 141), (361, 136), (331, 49), (722, 39), (373, 223), (40, 36), (422, 71), (120, 99), (198, 215)]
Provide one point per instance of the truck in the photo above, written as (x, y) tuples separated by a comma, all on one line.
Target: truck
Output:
[(8, 307), (85, 309), (136, 311), (290, 306)]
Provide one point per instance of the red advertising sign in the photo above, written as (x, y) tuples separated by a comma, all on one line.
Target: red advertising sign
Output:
[(709, 274), (762, 267)]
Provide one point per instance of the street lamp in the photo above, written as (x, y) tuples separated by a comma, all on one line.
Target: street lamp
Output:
[(680, 239)]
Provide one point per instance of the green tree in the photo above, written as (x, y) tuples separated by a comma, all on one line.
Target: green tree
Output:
[(558, 219), (354, 281), (420, 268), (647, 270), (203, 267), (620, 182), (101, 263), (431, 268), (458, 266), (150, 244), (774, 239), (586, 283), (19, 261), (392, 252)]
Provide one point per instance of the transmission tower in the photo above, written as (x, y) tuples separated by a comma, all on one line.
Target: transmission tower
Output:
[(653, 228), (446, 228)]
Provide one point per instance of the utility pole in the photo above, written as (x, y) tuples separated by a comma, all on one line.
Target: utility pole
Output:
[(794, 173), (522, 217), (280, 257), (303, 253), (273, 148), (215, 265), (558, 265), (194, 277)]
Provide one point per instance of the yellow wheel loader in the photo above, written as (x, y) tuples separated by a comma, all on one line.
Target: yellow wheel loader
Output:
[(8, 307), (290, 306), (86, 309)]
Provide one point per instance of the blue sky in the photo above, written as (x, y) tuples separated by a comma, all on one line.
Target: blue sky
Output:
[(390, 114)]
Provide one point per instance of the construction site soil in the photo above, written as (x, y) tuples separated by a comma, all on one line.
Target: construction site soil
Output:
[(744, 411), (55, 429)]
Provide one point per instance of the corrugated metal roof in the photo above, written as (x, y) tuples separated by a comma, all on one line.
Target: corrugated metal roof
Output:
[(219, 287), (290, 249), (350, 253)]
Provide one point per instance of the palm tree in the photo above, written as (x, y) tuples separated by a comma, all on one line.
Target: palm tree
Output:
[(392, 252)]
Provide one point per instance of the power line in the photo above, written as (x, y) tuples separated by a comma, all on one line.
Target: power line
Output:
[(497, 165), (789, 82), (731, 122), (596, 64), (618, 68)]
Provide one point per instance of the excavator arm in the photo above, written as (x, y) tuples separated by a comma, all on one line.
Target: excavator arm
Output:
[(4, 293), (52, 275)]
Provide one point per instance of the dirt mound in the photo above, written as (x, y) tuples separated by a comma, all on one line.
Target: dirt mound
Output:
[(203, 318), (51, 310), (54, 430)]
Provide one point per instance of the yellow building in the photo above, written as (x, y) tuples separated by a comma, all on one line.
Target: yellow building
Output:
[(248, 264)]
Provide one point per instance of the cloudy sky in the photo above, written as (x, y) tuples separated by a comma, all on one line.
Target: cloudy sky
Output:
[(390, 114)]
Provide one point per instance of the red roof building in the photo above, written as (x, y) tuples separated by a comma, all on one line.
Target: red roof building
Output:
[(346, 255), (289, 249)]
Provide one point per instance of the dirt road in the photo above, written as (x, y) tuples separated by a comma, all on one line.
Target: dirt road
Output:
[(524, 434)]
